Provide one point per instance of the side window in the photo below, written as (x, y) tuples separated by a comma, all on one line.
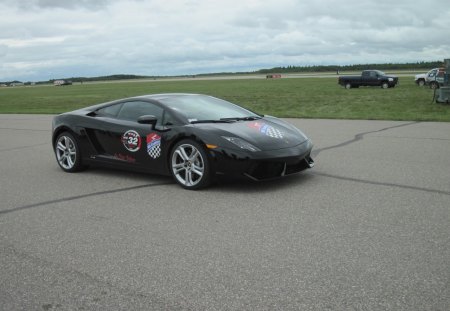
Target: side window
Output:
[(131, 111), (168, 119), (110, 111)]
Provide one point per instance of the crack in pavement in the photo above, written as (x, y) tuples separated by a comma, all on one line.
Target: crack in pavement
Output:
[(358, 137), (412, 138), (81, 196), (379, 183)]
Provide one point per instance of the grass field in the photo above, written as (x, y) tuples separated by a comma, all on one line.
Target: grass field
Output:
[(293, 97)]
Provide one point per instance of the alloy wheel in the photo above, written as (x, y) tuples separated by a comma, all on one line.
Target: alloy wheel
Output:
[(188, 165), (66, 152)]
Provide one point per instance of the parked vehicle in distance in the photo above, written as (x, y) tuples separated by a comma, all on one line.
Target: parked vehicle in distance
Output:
[(62, 82), (368, 78), (434, 78)]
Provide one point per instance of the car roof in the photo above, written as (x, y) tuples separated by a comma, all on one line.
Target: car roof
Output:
[(149, 97), (165, 95)]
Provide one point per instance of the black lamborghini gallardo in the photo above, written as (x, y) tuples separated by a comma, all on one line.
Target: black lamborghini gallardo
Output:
[(192, 137)]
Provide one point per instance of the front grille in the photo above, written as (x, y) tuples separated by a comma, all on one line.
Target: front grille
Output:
[(267, 170)]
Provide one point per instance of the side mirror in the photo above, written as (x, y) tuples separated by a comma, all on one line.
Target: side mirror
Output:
[(148, 119)]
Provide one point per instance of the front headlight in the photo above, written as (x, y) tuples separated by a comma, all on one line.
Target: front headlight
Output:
[(390, 79), (241, 143)]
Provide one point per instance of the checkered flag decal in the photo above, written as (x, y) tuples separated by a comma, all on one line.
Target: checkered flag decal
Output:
[(266, 129), (154, 145), (154, 151), (271, 131)]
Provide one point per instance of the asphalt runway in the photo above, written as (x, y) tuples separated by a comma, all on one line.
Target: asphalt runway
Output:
[(368, 228)]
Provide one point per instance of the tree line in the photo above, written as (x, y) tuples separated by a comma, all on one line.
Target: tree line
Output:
[(327, 68)]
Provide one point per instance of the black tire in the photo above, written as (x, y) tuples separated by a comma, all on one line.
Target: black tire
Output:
[(67, 152), (348, 85), (421, 82), (189, 165), (385, 85)]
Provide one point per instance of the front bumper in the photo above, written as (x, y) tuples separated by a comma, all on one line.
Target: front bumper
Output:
[(263, 165)]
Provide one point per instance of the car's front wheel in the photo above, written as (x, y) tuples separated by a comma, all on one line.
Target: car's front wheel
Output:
[(385, 85), (189, 165), (68, 153)]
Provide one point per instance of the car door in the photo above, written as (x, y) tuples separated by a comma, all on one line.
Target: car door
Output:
[(365, 78), (129, 143), (373, 78), (432, 75)]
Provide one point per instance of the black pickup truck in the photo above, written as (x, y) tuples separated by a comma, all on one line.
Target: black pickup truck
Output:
[(368, 78)]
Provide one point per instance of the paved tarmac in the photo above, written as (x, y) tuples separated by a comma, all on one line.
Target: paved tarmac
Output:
[(368, 228)]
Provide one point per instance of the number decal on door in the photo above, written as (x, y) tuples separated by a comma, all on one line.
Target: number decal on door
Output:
[(131, 140)]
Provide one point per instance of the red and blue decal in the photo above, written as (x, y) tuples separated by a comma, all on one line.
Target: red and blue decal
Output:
[(154, 145), (266, 129)]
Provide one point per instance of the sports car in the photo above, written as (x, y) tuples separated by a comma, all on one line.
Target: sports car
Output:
[(192, 137)]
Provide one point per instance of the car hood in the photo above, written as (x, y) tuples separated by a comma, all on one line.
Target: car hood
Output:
[(267, 133)]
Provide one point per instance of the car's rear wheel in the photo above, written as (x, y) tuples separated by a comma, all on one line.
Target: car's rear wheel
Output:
[(68, 153), (189, 165)]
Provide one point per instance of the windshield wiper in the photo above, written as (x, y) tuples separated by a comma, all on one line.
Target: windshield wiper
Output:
[(249, 118), (212, 121)]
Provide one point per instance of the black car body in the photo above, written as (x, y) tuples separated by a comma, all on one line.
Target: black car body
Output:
[(368, 78), (189, 136)]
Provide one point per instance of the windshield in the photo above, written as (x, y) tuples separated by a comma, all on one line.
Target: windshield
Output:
[(201, 107)]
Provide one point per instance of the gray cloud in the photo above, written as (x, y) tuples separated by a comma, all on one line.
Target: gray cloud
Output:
[(44, 38), (59, 4)]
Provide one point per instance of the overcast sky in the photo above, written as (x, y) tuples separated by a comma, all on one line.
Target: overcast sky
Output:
[(49, 39)]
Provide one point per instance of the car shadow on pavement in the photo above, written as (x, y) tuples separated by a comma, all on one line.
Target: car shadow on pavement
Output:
[(111, 173), (250, 186), (221, 183)]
